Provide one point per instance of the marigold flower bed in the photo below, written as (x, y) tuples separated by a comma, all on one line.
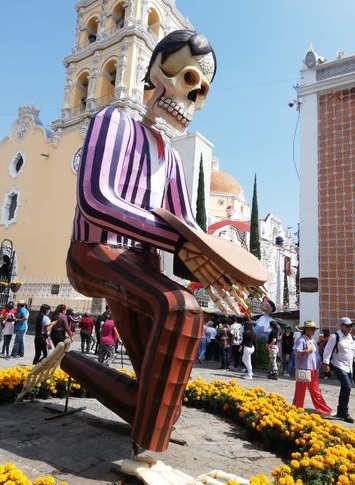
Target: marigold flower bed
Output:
[(10, 475), (316, 451)]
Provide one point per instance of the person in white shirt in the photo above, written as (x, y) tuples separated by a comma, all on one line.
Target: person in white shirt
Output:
[(212, 351), (340, 352)]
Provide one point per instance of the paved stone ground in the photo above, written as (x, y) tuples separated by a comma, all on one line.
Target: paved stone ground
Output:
[(82, 448)]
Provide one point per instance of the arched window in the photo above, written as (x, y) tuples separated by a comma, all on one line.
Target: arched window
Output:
[(108, 82), (16, 165), (153, 24), (9, 208), (118, 15), (81, 91), (91, 30)]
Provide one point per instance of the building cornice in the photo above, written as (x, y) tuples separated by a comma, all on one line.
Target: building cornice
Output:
[(329, 77), (326, 85)]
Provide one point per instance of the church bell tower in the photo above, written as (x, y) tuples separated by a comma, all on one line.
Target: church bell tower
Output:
[(113, 44)]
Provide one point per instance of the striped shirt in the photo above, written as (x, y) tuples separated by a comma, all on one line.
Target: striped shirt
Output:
[(127, 170)]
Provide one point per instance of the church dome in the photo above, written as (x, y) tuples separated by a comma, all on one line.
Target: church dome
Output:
[(222, 182)]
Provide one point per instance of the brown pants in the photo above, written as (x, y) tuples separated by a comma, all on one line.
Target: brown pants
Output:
[(160, 324)]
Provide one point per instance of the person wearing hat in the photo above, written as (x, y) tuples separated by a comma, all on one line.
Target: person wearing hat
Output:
[(20, 328), (340, 352), (307, 357)]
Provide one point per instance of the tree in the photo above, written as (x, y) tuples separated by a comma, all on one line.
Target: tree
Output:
[(286, 296), (201, 217), (254, 245)]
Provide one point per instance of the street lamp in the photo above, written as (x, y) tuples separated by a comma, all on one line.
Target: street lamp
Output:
[(6, 264)]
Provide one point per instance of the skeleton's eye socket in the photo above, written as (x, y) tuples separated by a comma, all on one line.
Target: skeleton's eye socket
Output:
[(203, 90), (191, 78)]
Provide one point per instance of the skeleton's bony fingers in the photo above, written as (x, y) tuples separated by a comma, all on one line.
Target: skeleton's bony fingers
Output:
[(240, 300), (228, 300), (242, 290), (237, 288), (202, 268), (210, 273), (216, 300), (257, 292)]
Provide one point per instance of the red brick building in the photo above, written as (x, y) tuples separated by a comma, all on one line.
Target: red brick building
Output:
[(326, 100)]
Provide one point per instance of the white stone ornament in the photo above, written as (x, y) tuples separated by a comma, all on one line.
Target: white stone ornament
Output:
[(76, 160), (21, 129)]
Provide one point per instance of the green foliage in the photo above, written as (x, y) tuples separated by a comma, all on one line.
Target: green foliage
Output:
[(201, 217), (261, 355), (254, 246), (286, 297)]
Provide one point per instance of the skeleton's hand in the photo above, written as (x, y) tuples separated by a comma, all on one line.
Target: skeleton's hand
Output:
[(223, 289)]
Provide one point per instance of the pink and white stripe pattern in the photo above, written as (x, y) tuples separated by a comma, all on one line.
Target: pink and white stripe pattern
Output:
[(123, 175)]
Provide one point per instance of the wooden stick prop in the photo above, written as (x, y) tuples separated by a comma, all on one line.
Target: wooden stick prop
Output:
[(44, 369)]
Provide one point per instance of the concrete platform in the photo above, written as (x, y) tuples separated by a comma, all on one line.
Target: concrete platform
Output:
[(83, 448)]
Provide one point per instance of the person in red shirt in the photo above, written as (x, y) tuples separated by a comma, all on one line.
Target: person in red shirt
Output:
[(7, 319), (9, 308), (108, 337), (86, 326)]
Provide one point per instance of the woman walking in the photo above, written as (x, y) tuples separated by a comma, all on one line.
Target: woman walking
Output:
[(224, 337), (307, 358), (248, 344), (60, 329), (43, 324), (108, 337), (7, 332), (273, 349), (86, 326)]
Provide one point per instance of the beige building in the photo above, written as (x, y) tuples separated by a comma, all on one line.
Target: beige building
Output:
[(113, 44)]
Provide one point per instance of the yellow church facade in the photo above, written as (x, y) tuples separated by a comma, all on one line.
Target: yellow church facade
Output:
[(114, 41)]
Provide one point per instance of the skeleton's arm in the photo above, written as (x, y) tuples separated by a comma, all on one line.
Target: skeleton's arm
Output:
[(221, 286)]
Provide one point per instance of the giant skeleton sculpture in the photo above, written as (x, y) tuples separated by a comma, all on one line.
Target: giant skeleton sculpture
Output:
[(132, 201)]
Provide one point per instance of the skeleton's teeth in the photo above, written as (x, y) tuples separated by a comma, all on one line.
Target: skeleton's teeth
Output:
[(175, 110)]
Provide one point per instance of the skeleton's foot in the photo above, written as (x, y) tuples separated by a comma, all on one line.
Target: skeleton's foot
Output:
[(154, 472), (136, 450)]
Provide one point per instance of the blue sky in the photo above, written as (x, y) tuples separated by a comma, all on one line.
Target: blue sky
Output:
[(259, 45)]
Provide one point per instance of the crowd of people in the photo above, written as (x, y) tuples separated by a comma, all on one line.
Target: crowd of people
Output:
[(97, 335), (228, 341), (290, 351)]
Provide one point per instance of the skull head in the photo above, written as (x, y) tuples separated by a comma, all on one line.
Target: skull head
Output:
[(181, 81)]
